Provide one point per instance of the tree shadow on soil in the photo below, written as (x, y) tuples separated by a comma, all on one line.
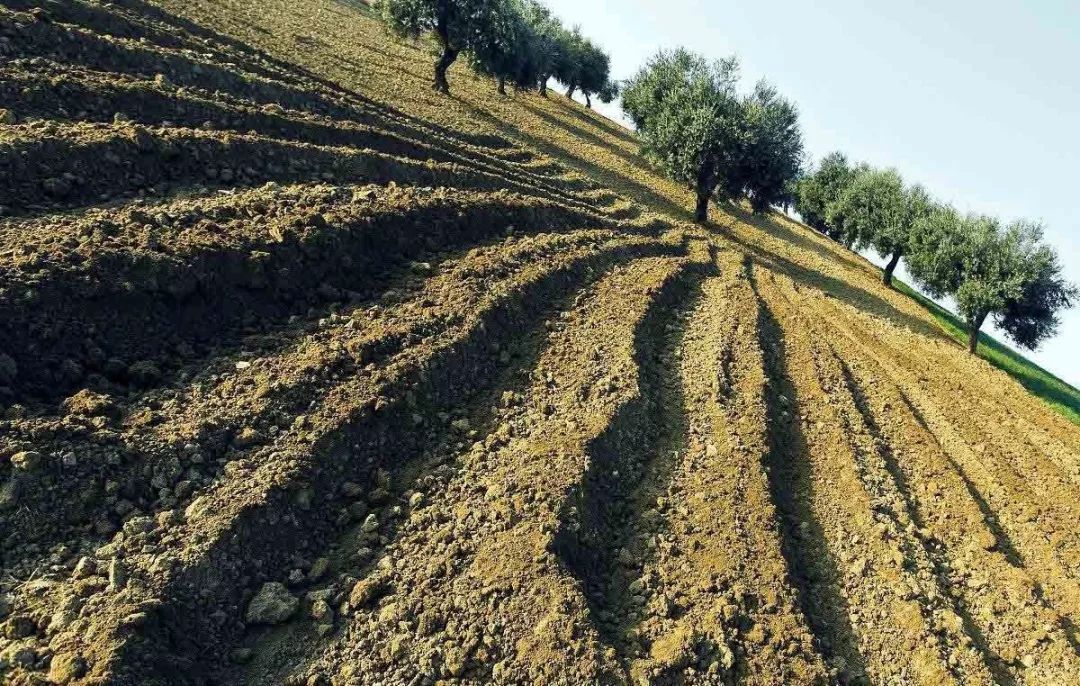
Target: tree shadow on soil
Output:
[(991, 659), (844, 291), (811, 566), (630, 464), (630, 189)]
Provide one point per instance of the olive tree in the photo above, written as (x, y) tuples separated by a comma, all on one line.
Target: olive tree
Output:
[(690, 118), (458, 25), (876, 211), (568, 59), (505, 52), (1004, 272), (816, 191), (594, 74), (771, 156), (548, 37)]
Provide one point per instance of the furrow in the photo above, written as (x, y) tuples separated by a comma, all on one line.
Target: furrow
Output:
[(282, 499), (900, 519), (34, 36), (502, 405), (608, 523), (152, 284), (718, 586), (489, 598), (119, 439), (974, 560), (1013, 530), (59, 166), (197, 69), (857, 579), (51, 91), (140, 21), (1037, 492)]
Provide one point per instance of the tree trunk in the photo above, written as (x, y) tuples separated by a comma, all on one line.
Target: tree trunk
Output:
[(449, 53), (543, 86), (502, 85), (570, 91), (886, 276), (973, 333), (448, 57), (588, 101), (701, 212), (705, 182)]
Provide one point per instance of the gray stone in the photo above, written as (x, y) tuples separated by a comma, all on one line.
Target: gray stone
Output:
[(273, 604)]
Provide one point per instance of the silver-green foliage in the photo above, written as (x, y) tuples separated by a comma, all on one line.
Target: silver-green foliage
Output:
[(701, 132), (1006, 272)]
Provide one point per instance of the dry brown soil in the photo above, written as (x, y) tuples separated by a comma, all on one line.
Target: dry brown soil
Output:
[(310, 375)]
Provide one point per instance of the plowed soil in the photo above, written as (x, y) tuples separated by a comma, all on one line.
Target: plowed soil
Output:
[(310, 375)]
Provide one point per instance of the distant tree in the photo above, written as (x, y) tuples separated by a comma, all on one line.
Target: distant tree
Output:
[(814, 192), (458, 25), (594, 73), (690, 118), (772, 154), (504, 52), (570, 58), (609, 92), (548, 35), (1007, 273), (876, 211)]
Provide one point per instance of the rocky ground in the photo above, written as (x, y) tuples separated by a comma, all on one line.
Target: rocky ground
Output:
[(311, 376)]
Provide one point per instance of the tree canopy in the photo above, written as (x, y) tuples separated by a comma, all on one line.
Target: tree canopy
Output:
[(814, 192), (698, 129), (772, 155), (1003, 272), (875, 210), (520, 41)]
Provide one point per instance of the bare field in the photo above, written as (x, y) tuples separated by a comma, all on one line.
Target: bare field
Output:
[(310, 375)]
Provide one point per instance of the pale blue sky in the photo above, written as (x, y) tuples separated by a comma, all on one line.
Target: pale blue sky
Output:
[(978, 101)]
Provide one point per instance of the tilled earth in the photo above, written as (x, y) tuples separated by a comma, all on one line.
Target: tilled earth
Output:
[(311, 376)]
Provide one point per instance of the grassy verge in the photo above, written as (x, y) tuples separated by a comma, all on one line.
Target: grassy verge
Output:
[(1059, 395)]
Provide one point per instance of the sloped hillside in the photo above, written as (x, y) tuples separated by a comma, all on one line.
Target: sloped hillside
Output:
[(310, 375)]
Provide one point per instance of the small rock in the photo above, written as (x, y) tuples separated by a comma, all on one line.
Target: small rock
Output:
[(144, 372), (351, 490), (370, 525), (364, 591), (711, 450), (19, 626), (21, 653), (321, 612), (318, 568), (117, 575), (241, 656), (26, 461), (86, 566), (65, 667), (247, 438), (56, 186), (273, 604)]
